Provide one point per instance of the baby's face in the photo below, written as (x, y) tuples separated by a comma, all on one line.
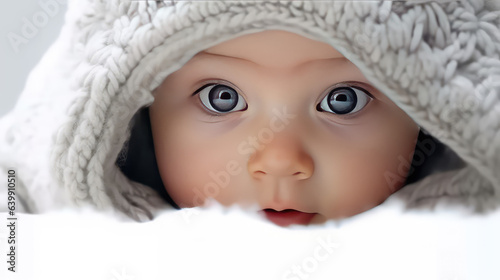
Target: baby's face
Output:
[(280, 121)]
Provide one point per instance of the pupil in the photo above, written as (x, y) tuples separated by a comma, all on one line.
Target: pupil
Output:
[(223, 98), (342, 100), (225, 95)]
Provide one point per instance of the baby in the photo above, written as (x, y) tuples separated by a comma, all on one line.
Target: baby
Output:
[(304, 110), (281, 121)]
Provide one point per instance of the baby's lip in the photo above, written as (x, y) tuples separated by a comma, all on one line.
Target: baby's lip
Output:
[(288, 217)]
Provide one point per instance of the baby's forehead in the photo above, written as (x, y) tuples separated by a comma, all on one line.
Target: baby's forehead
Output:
[(281, 50), (275, 49)]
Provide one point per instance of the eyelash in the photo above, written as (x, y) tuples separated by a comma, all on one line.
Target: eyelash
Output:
[(352, 84), (356, 85)]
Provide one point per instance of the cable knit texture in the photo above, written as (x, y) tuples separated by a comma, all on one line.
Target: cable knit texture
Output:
[(438, 61)]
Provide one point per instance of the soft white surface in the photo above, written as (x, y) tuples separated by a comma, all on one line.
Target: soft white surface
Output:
[(383, 243)]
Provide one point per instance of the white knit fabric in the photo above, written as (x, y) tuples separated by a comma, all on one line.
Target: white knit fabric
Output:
[(438, 61)]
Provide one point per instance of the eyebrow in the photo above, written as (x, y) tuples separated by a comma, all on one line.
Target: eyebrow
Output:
[(240, 58), (221, 55)]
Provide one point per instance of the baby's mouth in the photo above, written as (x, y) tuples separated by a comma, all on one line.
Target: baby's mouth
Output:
[(288, 217)]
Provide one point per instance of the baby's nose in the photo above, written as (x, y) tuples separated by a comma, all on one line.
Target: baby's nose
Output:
[(283, 157)]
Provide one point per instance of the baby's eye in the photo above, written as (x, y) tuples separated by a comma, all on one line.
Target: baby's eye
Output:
[(344, 100), (221, 98)]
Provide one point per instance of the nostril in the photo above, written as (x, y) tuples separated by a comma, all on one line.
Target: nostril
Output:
[(300, 175), (259, 174)]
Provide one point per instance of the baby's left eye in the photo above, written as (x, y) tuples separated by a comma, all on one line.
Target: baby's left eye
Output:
[(344, 100)]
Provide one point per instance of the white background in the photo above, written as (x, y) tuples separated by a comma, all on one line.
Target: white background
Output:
[(15, 66)]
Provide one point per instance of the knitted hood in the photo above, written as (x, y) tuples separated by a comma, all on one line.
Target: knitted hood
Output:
[(438, 61)]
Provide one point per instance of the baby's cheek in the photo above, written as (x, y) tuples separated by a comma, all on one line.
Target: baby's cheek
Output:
[(359, 178), (388, 153), (193, 175), (360, 190), (398, 163), (180, 183)]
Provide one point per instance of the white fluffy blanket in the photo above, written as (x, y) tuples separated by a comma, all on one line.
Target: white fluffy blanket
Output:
[(383, 243)]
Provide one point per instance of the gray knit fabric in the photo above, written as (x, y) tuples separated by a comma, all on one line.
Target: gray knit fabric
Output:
[(438, 61)]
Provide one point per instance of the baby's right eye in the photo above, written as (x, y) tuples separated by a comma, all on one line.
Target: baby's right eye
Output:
[(220, 98)]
